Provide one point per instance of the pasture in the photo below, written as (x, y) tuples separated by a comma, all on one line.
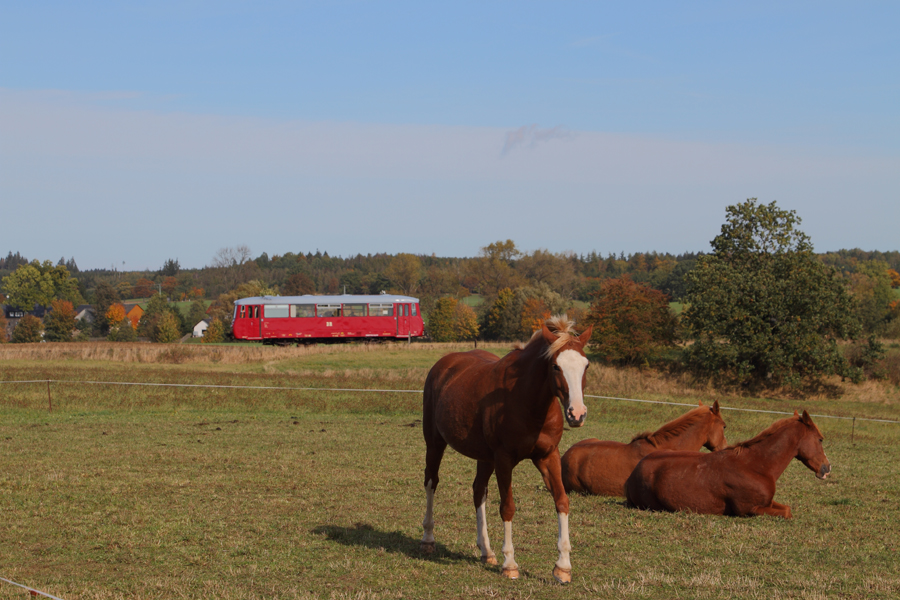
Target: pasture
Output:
[(195, 492)]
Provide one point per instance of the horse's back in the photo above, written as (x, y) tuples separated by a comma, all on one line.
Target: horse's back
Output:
[(678, 480), (598, 467)]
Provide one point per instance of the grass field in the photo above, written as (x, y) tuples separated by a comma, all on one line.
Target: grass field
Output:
[(193, 492)]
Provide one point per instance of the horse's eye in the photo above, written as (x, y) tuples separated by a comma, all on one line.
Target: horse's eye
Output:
[(556, 368)]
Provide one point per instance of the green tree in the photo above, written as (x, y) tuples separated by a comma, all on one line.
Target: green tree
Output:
[(105, 296), (215, 333), (59, 322), (870, 287), (502, 320), (122, 331), (40, 284), (761, 307), (28, 330), (197, 312), (167, 329), (632, 322)]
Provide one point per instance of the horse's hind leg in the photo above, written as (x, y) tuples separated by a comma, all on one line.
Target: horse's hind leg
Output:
[(433, 455), (479, 497)]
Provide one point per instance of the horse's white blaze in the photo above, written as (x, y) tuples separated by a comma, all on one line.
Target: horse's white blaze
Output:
[(428, 523), (484, 543), (565, 548), (573, 364), (509, 561)]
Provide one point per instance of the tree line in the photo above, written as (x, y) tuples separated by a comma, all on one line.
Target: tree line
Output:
[(761, 284)]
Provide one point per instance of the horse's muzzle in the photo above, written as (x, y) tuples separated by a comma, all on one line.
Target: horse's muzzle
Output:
[(824, 470), (574, 421)]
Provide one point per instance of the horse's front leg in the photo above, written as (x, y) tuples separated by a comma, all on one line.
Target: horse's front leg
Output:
[(550, 467), (507, 511), (775, 509)]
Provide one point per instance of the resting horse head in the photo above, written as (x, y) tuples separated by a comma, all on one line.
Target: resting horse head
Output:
[(567, 365), (810, 451)]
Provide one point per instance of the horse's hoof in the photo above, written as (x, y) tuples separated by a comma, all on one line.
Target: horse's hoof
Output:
[(426, 547), (489, 560), (563, 576), (512, 573)]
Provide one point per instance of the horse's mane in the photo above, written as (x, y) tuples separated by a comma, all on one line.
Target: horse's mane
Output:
[(764, 434), (673, 427), (559, 325)]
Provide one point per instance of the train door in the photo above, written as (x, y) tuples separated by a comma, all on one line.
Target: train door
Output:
[(403, 320), (254, 326)]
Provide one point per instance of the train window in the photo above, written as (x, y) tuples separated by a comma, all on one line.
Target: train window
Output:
[(303, 310), (354, 310), (381, 310), (275, 311), (415, 306), (255, 310), (328, 310), (243, 311)]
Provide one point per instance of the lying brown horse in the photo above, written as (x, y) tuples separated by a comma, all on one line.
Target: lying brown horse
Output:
[(501, 411), (739, 480), (601, 467)]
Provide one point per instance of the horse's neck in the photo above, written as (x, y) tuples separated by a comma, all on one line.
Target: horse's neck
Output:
[(773, 454), (531, 376), (691, 438)]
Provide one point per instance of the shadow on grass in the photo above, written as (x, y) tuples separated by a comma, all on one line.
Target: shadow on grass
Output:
[(363, 534)]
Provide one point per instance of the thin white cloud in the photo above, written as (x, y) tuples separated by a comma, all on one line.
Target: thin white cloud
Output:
[(530, 136), (110, 182)]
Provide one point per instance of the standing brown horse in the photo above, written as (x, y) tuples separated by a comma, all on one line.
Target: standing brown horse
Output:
[(739, 480), (601, 467), (501, 411)]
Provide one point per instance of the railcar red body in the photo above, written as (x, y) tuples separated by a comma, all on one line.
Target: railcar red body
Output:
[(298, 319)]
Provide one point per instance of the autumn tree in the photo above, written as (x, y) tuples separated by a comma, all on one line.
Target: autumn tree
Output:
[(405, 272), (762, 307), (299, 284), (632, 322), (223, 307), (28, 330), (493, 270), (215, 332), (4, 324), (503, 319), (232, 262), (59, 322), (144, 288), (452, 321), (168, 285)]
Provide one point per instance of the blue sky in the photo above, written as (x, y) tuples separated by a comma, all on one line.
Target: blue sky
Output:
[(133, 132)]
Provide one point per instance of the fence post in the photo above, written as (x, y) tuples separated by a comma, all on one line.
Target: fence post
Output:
[(49, 398), (853, 431)]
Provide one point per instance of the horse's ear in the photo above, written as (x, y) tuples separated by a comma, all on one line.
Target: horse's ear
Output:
[(715, 408), (700, 403), (796, 414), (806, 418), (585, 336), (549, 336)]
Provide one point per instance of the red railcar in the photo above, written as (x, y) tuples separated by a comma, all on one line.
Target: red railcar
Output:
[(287, 319)]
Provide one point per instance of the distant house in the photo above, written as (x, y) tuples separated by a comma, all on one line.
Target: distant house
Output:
[(84, 312), (12, 312), (133, 312), (200, 328)]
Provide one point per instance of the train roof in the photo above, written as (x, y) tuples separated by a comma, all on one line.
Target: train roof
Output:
[(334, 299)]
